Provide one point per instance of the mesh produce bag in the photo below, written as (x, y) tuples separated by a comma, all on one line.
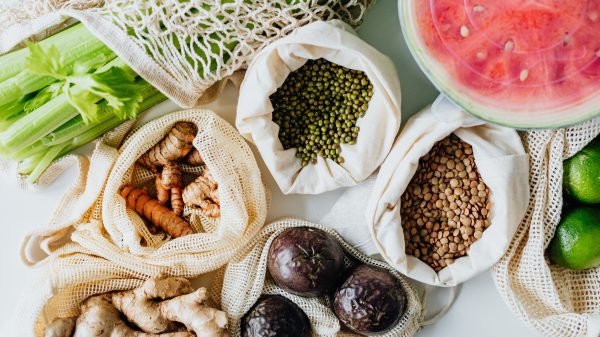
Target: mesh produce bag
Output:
[(123, 236), (244, 279), (553, 300), (71, 275), (180, 47)]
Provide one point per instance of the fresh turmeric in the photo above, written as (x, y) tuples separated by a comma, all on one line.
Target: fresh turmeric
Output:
[(193, 158), (203, 193), (140, 201), (163, 194), (177, 200), (175, 146)]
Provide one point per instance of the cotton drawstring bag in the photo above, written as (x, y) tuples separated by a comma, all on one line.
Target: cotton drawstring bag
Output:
[(245, 279), (337, 43), (553, 300), (502, 164), (182, 48)]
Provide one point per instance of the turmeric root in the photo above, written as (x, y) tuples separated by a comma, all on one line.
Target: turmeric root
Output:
[(163, 194), (171, 175), (140, 307), (203, 193), (190, 310), (61, 327), (193, 158), (176, 145), (177, 200), (140, 201)]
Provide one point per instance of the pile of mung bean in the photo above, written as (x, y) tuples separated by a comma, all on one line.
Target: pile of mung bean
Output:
[(446, 206), (317, 108)]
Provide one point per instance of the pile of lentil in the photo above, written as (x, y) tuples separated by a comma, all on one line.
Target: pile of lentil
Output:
[(317, 108), (446, 206)]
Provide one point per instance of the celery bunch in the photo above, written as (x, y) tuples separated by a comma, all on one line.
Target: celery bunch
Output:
[(61, 93)]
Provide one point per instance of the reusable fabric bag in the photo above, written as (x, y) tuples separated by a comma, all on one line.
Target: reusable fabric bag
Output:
[(337, 43), (245, 279), (502, 164), (180, 47), (124, 238), (553, 300)]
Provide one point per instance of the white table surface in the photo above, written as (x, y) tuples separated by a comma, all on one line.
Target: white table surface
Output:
[(478, 309)]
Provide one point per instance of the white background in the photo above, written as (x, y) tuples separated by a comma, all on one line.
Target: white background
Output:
[(478, 309)]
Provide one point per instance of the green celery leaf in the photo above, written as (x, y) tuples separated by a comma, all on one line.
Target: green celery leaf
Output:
[(47, 62), (85, 103), (90, 65), (43, 96), (115, 85)]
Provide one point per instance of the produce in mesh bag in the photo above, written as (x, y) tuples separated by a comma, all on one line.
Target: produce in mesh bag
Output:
[(442, 217), (321, 106), (548, 297), (161, 306), (189, 47), (529, 64), (243, 284)]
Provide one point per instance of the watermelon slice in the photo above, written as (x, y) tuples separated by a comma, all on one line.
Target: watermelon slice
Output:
[(521, 63)]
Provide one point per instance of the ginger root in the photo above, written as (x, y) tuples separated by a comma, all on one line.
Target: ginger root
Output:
[(162, 307), (140, 201), (190, 310), (61, 327), (203, 193), (176, 145), (140, 307)]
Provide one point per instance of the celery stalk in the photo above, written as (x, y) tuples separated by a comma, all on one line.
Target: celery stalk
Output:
[(73, 52), (77, 126), (72, 43), (45, 161), (47, 118), (26, 152)]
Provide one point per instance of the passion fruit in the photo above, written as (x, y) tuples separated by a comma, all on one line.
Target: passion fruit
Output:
[(306, 261), (275, 316), (370, 300)]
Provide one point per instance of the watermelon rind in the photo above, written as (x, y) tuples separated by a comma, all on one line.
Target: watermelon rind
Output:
[(451, 89)]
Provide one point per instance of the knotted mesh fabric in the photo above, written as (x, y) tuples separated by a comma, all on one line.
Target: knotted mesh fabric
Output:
[(553, 300), (244, 279), (181, 47)]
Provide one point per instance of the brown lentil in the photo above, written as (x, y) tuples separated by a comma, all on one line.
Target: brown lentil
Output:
[(441, 214)]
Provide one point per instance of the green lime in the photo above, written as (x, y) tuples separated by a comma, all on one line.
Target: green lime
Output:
[(581, 178), (576, 242)]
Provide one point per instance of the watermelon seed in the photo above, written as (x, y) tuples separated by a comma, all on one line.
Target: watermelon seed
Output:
[(481, 55), (509, 45), (478, 8), (567, 39), (464, 31), (593, 16), (598, 52), (523, 75)]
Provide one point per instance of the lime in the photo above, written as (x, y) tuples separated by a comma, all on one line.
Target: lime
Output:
[(581, 178), (575, 244)]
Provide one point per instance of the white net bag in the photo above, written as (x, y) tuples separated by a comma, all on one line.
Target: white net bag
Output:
[(244, 280), (242, 195), (180, 47), (68, 277), (553, 300)]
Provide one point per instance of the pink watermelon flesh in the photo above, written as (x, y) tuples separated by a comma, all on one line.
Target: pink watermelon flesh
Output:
[(519, 54)]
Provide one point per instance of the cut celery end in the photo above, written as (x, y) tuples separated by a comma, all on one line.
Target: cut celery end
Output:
[(43, 164)]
